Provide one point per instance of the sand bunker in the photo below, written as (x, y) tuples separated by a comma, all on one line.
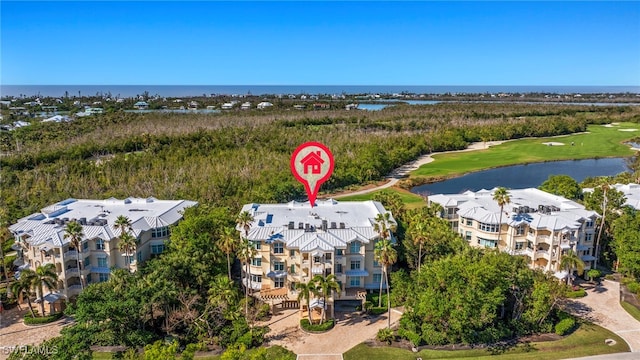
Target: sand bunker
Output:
[(553, 143), (627, 129)]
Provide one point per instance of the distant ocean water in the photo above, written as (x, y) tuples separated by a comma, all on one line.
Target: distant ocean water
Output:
[(199, 90)]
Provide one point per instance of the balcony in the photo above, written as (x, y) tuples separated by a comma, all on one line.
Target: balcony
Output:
[(544, 238), (254, 285), (16, 247), (74, 289), (254, 269), (542, 254), (71, 254), (72, 272)]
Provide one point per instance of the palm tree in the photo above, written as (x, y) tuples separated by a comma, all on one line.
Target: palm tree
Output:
[(44, 275), (604, 186), (419, 234), (325, 286), (127, 244), (123, 223), (244, 221), (501, 196), (223, 293), (74, 233), (305, 291), (23, 287), (386, 255), (571, 261), (383, 225), (246, 252), (228, 243)]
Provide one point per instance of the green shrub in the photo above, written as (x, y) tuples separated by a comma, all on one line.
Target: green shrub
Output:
[(609, 277), (386, 335), (377, 310), (594, 274), (263, 312), (565, 326), (634, 287), (327, 325), (572, 294), (29, 320)]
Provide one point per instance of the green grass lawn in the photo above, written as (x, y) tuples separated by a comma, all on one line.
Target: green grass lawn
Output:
[(587, 340), (410, 199), (632, 310), (600, 141), (273, 352)]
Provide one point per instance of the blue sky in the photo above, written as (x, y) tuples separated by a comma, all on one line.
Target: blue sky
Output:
[(320, 43)]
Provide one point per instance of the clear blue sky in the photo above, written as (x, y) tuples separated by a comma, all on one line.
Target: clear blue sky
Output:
[(320, 43)]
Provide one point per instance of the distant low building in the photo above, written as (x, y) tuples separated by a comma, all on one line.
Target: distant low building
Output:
[(245, 106), (264, 105), (141, 105)]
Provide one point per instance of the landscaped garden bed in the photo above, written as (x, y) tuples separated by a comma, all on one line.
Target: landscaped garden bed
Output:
[(316, 328)]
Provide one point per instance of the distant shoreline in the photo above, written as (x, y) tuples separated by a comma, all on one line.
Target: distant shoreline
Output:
[(258, 90)]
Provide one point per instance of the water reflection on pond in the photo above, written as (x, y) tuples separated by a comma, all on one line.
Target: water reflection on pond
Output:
[(525, 176)]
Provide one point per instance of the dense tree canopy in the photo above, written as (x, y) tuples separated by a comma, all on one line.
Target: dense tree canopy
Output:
[(563, 185)]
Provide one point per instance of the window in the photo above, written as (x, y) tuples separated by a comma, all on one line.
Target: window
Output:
[(354, 247), (589, 224), (488, 227), (87, 262), (355, 264), (520, 230), (103, 277), (469, 222), (256, 278), (487, 243), (102, 262), (354, 281), (531, 232), (160, 232), (530, 245), (292, 286), (85, 246), (519, 245), (339, 252), (257, 245), (292, 253), (278, 266), (316, 259), (139, 256), (338, 268), (99, 244), (327, 256), (588, 237), (278, 283), (157, 249), (292, 269), (376, 263), (256, 262), (467, 235), (278, 248), (377, 278)]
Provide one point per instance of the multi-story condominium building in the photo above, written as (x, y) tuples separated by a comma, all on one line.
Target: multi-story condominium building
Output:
[(40, 238), (631, 193), (295, 242), (535, 224)]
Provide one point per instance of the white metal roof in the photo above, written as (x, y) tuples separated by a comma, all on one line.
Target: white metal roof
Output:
[(145, 214), (300, 226), (524, 206)]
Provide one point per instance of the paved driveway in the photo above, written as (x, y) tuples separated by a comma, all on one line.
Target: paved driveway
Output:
[(602, 306), (350, 330), (13, 331)]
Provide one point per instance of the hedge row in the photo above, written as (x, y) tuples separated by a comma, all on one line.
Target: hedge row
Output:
[(327, 325), (29, 320)]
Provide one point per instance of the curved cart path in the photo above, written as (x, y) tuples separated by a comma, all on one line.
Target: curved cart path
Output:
[(405, 169)]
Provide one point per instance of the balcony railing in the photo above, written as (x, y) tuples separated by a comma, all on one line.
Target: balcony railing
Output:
[(71, 253), (542, 254), (74, 288), (544, 238), (72, 271)]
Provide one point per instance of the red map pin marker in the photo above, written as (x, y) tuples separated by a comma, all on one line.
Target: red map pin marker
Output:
[(312, 164)]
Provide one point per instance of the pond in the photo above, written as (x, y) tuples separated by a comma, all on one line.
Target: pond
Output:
[(525, 176)]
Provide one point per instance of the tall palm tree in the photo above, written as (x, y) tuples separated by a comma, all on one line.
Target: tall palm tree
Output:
[(44, 275), (420, 235), (305, 292), (74, 233), (228, 243), (244, 221), (325, 286), (501, 196), (571, 261), (386, 255), (127, 244), (23, 287), (246, 252), (123, 223), (383, 225), (223, 294), (604, 186)]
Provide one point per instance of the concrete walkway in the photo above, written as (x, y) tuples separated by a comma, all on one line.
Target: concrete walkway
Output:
[(14, 333), (602, 307), (350, 330)]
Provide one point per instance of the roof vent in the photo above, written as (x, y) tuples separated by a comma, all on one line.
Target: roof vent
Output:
[(342, 226), (291, 225), (333, 225)]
